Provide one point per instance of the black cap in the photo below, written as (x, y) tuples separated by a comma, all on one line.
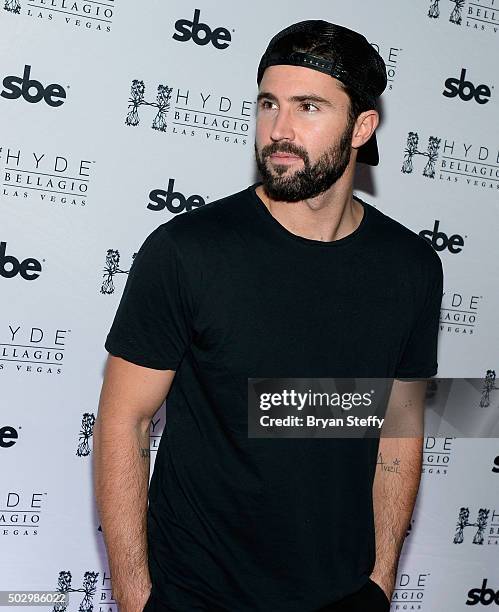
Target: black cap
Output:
[(356, 63)]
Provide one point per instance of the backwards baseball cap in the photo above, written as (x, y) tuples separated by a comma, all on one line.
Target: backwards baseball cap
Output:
[(353, 61)]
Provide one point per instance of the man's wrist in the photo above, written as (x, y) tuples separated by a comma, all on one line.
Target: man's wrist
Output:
[(132, 594), (386, 580)]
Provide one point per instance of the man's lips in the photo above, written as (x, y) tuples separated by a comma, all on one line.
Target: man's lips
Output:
[(284, 157)]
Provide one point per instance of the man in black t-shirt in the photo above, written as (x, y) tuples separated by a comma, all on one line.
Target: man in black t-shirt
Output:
[(293, 276)]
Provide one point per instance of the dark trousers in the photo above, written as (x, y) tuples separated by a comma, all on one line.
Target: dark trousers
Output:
[(370, 598)]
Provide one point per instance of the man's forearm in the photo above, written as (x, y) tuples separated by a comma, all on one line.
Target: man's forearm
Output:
[(121, 477), (396, 484)]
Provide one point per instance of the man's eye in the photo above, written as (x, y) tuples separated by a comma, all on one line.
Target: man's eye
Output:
[(264, 103), (310, 107)]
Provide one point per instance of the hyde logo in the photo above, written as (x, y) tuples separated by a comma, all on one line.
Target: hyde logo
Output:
[(201, 33), (32, 90), (440, 241), (466, 90), (174, 201), (10, 266)]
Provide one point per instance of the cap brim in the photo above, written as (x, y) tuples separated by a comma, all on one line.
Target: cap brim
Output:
[(368, 152)]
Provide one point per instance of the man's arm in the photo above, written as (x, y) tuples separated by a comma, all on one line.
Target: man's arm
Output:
[(130, 396), (398, 474)]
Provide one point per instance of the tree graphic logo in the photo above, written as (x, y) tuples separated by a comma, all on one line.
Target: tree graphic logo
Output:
[(456, 16), (411, 150), (488, 386), (463, 521), (136, 100), (86, 432), (111, 269), (88, 589), (13, 6)]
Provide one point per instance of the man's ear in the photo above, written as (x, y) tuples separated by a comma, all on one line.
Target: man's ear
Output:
[(365, 125)]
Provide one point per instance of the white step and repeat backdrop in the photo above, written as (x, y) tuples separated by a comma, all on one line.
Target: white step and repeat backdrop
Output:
[(114, 117)]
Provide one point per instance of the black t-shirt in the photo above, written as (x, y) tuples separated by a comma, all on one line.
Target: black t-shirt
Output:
[(224, 293)]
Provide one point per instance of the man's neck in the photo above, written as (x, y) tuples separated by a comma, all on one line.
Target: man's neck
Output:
[(330, 216)]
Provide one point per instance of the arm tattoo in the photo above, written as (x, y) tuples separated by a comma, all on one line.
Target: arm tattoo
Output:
[(394, 466)]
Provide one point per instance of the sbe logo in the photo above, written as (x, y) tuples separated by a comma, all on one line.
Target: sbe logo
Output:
[(174, 201), (8, 436), (31, 90), (201, 33), (466, 90), (484, 596), (440, 241), (11, 266)]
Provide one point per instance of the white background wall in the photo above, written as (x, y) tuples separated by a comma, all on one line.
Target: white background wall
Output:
[(48, 521)]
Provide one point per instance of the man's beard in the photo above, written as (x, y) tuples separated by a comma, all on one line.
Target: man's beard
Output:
[(310, 181)]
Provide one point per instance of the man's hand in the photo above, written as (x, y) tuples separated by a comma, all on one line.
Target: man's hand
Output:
[(386, 582), (133, 601), (397, 478), (130, 396)]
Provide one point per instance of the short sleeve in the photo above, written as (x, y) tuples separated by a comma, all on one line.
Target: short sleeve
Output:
[(419, 358), (152, 326)]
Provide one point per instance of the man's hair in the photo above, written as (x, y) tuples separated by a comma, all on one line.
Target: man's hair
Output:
[(318, 46)]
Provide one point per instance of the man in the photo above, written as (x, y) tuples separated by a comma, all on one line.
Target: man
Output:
[(291, 277)]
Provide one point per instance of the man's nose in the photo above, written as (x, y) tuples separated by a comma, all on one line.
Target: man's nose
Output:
[(283, 126)]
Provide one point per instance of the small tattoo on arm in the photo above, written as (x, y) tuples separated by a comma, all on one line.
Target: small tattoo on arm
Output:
[(394, 466)]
